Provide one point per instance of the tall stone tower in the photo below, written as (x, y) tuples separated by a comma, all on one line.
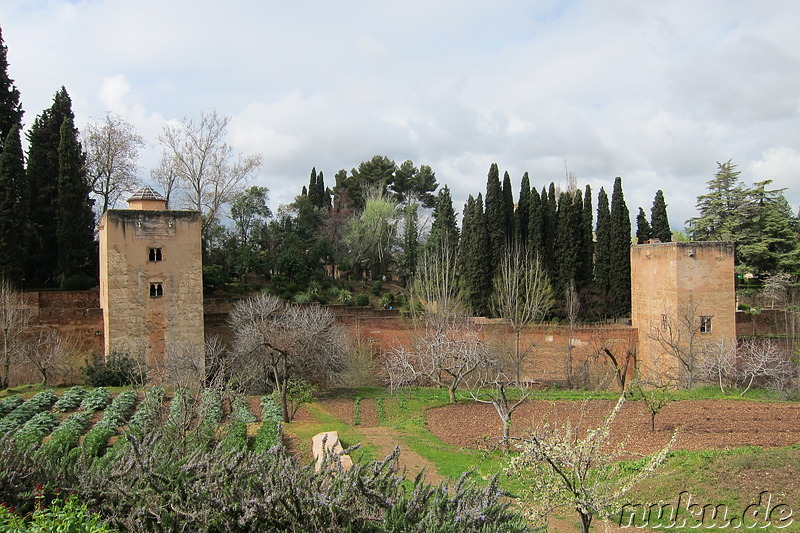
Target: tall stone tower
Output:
[(151, 284), (683, 305)]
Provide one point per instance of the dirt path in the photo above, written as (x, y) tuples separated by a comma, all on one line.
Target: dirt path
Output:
[(386, 439)]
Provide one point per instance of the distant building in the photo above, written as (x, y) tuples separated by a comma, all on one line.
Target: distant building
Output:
[(683, 303), (151, 283)]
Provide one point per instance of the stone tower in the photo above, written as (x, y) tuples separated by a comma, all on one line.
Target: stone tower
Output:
[(683, 305), (151, 284)]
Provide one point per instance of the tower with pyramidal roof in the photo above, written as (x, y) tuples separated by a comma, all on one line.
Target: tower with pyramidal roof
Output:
[(151, 285)]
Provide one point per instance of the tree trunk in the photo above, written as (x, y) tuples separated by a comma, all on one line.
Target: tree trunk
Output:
[(452, 392), (652, 421), (586, 521)]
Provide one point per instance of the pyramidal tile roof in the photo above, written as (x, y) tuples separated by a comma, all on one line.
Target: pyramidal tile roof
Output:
[(147, 193)]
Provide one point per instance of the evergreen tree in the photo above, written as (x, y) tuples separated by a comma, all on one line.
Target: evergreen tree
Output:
[(566, 243), (41, 191), (620, 248), (10, 107), (495, 219), (586, 251), (658, 219), (721, 208), (12, 179), (75, 229), (408, 262), (508, 208), (444, 229), (549, 230), (323, 193), (313, 191), (643, 229), (473, 258), (523, 211), (535, 225), (602, 261)]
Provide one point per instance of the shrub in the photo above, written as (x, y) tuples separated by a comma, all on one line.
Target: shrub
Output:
[(65, 436), (71, 399), (149, 411), (241, 411), (118, 370), (96, 400), (64, 516), (79, 282), (24, 412), (269, 434), (298, 392), (214, 277), (376, 288), (35, 429), (9, 404), (362, 300), (387, 300)]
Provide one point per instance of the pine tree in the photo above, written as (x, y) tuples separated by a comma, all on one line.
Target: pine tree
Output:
[(643, 230), (523, 211), (41, 191), (10, 107), (444, 229), (495, 218), (12, 215), (473, 258), (620, 247), (508, 209), (602, 261), (658, 219), (75, 229), (720, 209)]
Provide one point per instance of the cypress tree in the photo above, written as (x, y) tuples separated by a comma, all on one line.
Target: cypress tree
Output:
[(495, 219), (566, 243), (444, 229), (473, 258), (312, 190), (323, 194), (602, 259), (549, 230), (10, 108), (620, 246), (586, 250), (41, 191), (658, 219), (75, 229), (643, 229), (508, 208), (408, 264), (535, 222), (523, 211), (12, 179)]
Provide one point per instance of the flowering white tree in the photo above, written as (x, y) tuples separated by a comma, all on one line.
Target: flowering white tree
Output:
[(567, 466)]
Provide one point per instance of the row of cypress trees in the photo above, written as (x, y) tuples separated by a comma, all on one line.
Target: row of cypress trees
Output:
[(46, 216), (557, 226)]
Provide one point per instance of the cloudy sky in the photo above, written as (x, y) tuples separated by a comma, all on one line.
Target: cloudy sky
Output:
[(655, 92)]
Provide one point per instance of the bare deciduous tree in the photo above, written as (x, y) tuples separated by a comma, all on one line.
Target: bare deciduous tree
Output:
[(570, 466), (495, 387), (206, 168), (112, 151), (719, 363), (274, 342), (522, 296), (14, 319), (450, 348), (764, 359), (47, 351), (677, 334)]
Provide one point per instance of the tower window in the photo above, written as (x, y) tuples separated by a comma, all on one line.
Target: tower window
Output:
[(154, 254), (705, 324), (156, 290), (664, 322)]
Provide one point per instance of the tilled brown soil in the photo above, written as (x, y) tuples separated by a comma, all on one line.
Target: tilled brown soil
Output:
[(701, 424)]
